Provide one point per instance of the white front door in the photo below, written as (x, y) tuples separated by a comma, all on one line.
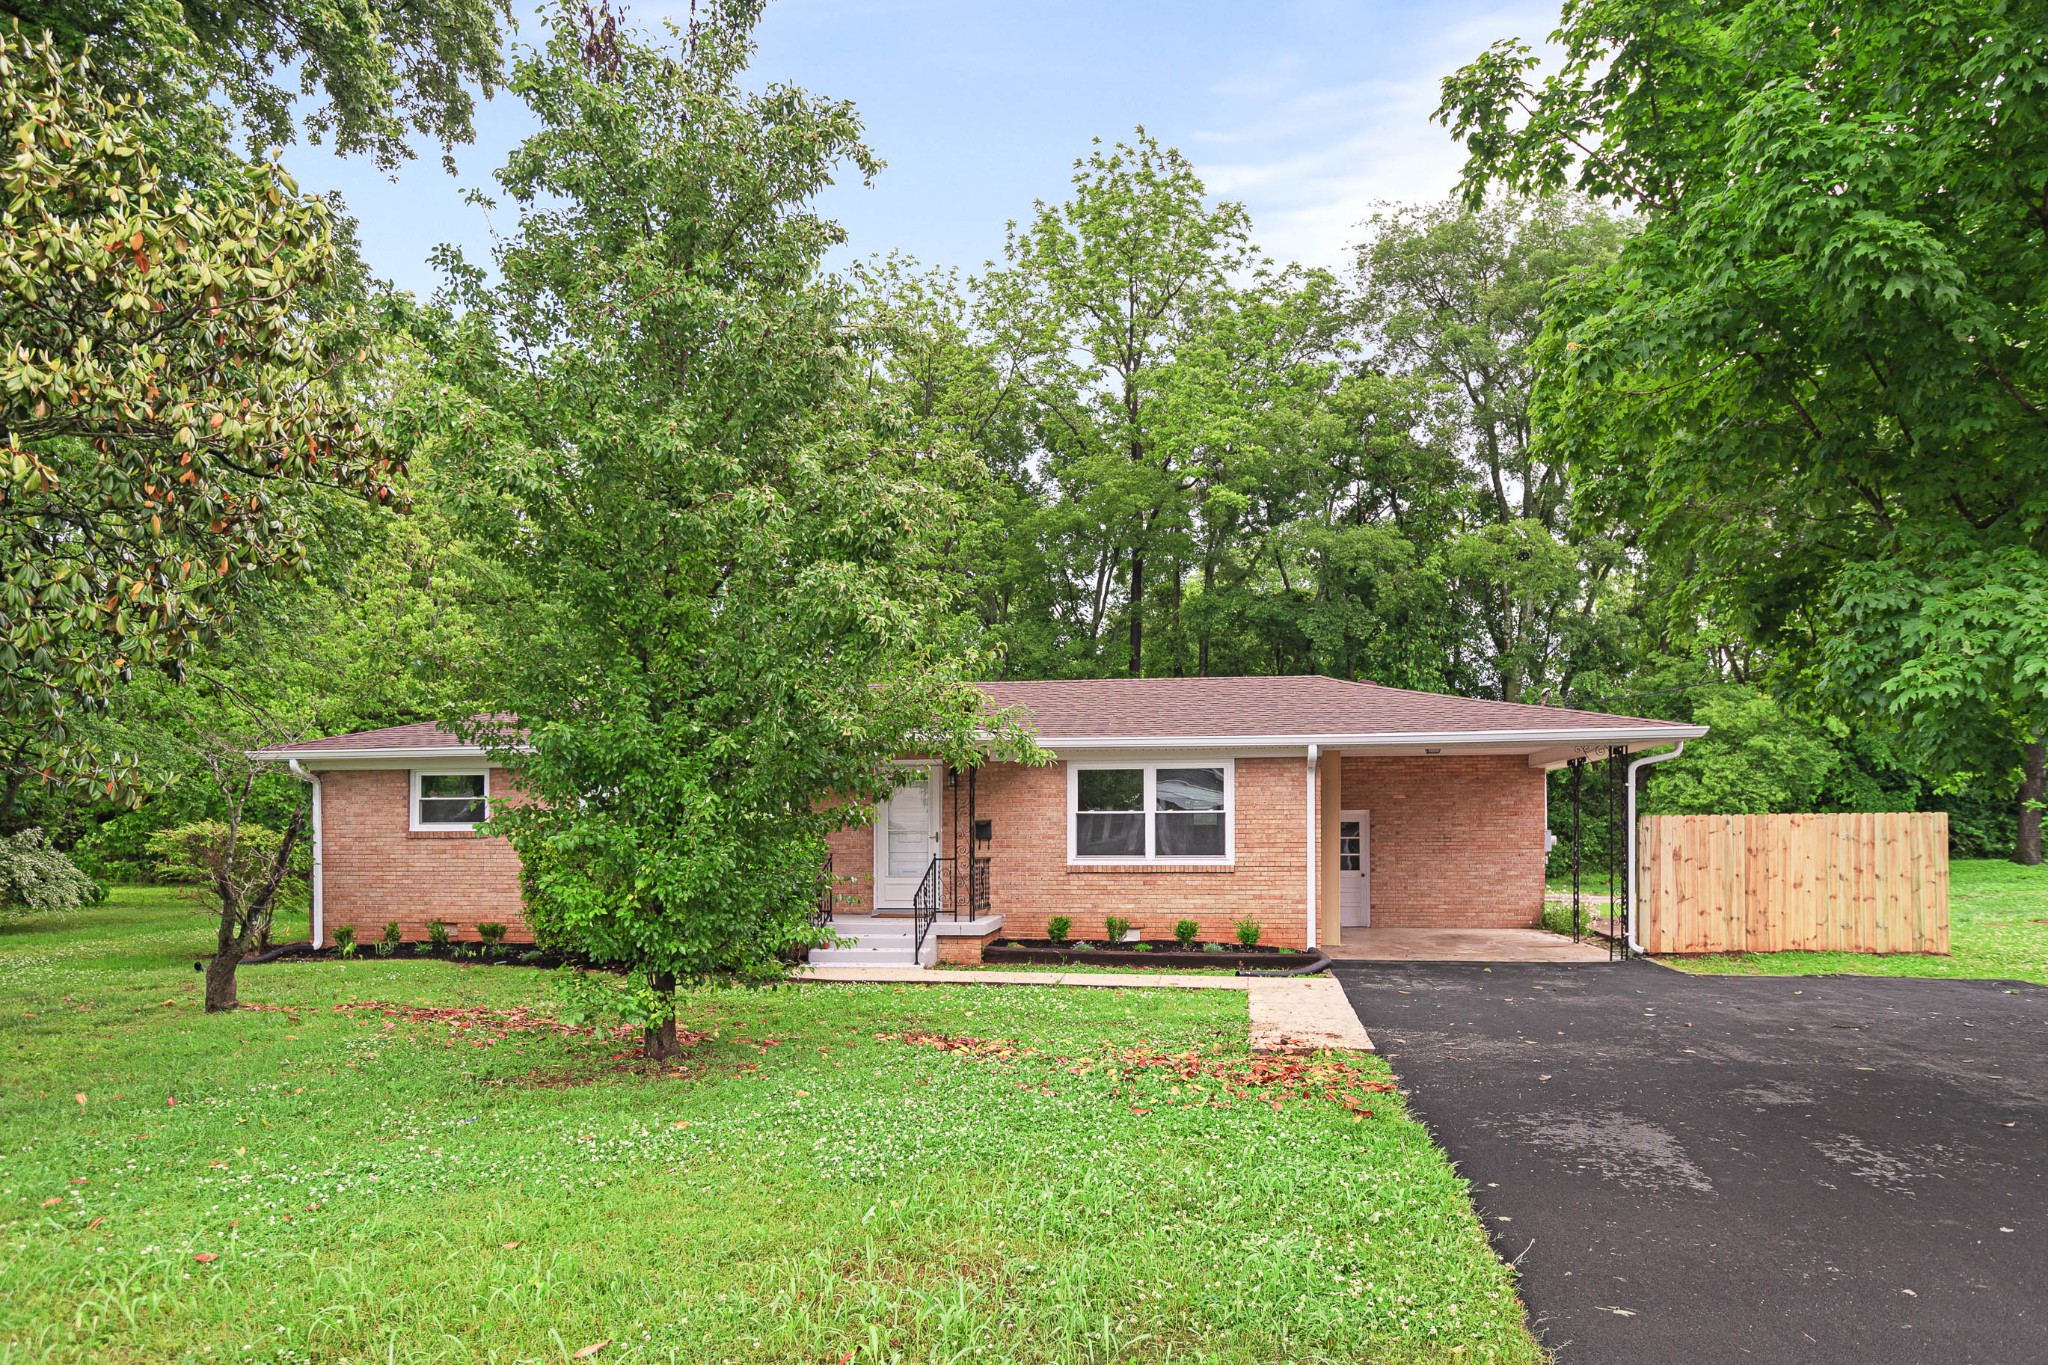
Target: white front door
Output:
[(1354, 868), (906, 836)]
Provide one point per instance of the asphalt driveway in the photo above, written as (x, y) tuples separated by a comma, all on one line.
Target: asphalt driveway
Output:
[(1693, 1169)]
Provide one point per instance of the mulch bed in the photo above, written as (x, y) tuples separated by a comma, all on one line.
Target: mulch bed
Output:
[(1167, 956)]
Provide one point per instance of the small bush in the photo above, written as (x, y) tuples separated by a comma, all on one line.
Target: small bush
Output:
[(437, 934), (1115, 927), (1084, 946), (491, 932), (345, 939), (36, 879), (1212, 947), (1058, 927), (1248, 931), (1141, 947), (1186, 932), (388, 942)]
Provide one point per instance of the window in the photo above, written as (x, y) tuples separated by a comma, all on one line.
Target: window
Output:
[(1168, 812), (449, 800)]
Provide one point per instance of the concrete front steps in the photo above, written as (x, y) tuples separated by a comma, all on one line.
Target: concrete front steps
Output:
[(884, 940), (876, 941)]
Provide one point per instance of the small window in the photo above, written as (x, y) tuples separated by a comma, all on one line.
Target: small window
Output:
[(449, 800), (1149, 813)]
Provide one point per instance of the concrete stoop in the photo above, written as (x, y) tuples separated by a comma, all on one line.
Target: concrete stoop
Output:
[(876, 942)]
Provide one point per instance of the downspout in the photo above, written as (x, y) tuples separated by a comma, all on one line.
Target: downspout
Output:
[(319, 850), (1635, 944), (1315, 752)]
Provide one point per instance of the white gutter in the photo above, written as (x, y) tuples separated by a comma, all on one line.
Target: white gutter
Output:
[(319, 852), (1641, 734), (1635, 890), (1314, 752), (332, 755)]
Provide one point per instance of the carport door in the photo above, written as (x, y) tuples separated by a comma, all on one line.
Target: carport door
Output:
[(1354, 868)]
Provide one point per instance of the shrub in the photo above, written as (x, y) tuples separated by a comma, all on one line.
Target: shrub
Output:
[(437, 934), (491, 932), (1084, 946), (1248, 931), (1115, 927), (1058, 927), (1141, 947), (1187, 931), (345, 939), (388, 942), (1212, 947), (36, 879)]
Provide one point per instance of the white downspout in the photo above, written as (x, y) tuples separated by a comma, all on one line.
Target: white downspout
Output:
[(1635, 943), (319, 850), (1315, 752)]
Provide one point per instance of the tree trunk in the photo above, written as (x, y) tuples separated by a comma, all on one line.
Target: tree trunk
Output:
[(661, 1039), (2026, 849), (1137, 613), (220, 973)]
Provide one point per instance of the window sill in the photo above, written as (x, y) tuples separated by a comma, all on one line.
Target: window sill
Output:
[(1073, 868), (440, 834)]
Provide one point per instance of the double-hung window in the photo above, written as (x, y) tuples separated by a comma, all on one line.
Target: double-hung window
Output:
[(1178, 811), (449, 800)]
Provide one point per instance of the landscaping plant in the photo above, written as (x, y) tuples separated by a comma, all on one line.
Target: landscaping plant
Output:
[(491, 932), (1058, 927), (1248, 931), (390, 940), (437, 934), (1115, 927), (36, 879), (1185, 932), (345, 939)]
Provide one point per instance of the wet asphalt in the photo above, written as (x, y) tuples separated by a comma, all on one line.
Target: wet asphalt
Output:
[(1703, 1169)]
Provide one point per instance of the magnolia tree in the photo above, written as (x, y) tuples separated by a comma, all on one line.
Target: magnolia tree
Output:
[(166, 394), (744, 611)]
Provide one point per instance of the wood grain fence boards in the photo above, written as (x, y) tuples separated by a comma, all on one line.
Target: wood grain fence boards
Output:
[(1793, 883)]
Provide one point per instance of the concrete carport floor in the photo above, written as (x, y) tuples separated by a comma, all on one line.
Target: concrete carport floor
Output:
[(1464, 945), (1686, 1169)]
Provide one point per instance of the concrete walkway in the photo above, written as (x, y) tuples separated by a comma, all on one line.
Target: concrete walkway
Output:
[(1288, 1014), (1464, 945)]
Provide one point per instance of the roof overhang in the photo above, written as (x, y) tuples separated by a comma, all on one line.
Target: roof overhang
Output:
[(1543, 748), (379, 758)]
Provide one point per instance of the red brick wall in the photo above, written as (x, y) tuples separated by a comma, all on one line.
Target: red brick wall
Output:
[(1456, 842), (374, 869)]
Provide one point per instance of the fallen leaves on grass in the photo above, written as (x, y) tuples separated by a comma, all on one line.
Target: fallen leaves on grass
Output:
[(592, 1349), (1275, 1079)]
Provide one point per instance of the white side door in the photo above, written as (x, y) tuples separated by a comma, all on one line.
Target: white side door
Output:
[(906, 836), (1354, 868)]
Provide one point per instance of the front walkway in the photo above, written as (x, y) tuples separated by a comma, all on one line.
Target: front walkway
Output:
[(1288, 1014), (1464, 945)]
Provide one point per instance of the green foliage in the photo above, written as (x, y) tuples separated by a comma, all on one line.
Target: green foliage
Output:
[(741, 611), (1815, 376), (491, 932), (1186, 931), (386, 70), (221, 862), (36, 879), (437, 934), (1114, 927), (345, 939), (390, 940), (1058, 927), (1248, 931), (167, 399)]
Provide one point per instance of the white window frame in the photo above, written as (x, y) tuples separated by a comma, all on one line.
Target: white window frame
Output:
[(1150, 764), (418, 826)]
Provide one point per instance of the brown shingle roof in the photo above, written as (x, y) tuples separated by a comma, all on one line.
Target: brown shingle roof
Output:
[(1311, 706), (423, 735)]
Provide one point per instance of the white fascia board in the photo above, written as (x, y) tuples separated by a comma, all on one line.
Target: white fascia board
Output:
[(368, 758), (1531, 739)]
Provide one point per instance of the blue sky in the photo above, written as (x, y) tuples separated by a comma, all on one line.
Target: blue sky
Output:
[(1309, 111)]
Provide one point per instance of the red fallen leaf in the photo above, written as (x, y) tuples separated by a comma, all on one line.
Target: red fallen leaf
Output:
[(80, 1097), (511, 1245), (95, 1222), (205, 1257), (78, 1179), (170, 1101), (592, 1349), (53, 1199)]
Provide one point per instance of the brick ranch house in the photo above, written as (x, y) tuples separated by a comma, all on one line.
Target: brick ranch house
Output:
[(1309, 803)]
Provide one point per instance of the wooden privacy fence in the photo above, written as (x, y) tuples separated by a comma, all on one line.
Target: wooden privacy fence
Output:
[(1780, 883)]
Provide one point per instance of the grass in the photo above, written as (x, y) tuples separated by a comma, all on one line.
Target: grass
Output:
[(1998, 930), (831, 1175)]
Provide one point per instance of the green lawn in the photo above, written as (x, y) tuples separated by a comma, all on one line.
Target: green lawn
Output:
[(832, 1176), (1998, 928)]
